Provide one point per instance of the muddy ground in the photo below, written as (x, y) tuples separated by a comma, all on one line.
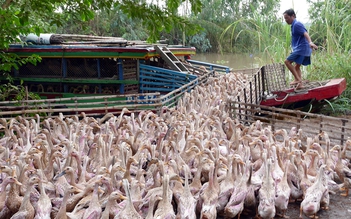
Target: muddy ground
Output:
[(339, 208)]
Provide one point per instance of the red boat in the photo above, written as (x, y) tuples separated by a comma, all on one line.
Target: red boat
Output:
[(313, 94), (269, 87)]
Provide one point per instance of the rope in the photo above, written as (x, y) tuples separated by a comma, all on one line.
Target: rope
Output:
[(286, 96), (308, 111)]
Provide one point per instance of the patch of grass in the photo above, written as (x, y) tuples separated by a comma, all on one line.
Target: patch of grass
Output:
[(339, 107)]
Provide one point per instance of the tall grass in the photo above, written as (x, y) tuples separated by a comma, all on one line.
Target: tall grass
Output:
[(258, 33)]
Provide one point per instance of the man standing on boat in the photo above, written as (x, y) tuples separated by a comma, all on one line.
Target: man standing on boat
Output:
[(301, 44)]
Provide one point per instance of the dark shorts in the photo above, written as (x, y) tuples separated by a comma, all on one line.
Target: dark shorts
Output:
[(299, 59)]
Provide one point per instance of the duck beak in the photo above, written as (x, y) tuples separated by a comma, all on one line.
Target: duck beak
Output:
[(189, 150), (59, 175), (335, 148), (252, 143), (123, 197), (180, 180), (135, 161), (121, 169), (76, 190), (18, 183), (225, 167), (200, 153), (101, 191)]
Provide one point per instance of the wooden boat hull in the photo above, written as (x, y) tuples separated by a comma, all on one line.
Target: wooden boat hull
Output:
[(315, 93)]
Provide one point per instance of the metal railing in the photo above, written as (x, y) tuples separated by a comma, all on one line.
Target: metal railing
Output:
[(210, 66)]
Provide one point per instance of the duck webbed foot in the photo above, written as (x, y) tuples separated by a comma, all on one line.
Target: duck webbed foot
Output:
[(346, 192), (257, 216), (300, 213), (282, 214), (295, 200)]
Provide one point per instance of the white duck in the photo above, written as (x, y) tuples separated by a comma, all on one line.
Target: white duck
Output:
[(312, 202), (227, 185), (209, 196), (129, 210), (342, 171), (266, 194), (236, 202), (187, 202), (282, 193), (164, 207)]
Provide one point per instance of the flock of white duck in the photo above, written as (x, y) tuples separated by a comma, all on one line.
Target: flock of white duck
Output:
[(190, 162)]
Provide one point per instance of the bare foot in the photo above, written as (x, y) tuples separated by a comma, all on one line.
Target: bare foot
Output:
[(294, 82), (299, 86)]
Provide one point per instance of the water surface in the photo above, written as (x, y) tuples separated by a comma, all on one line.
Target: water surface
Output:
[(234, 61)]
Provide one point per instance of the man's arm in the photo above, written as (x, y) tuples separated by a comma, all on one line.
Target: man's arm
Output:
[(308, 38)]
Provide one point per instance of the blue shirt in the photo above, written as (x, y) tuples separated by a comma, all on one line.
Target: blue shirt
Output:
[(299, 43)]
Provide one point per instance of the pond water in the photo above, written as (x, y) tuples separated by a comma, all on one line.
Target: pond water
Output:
[(234, 61), (238, 61)]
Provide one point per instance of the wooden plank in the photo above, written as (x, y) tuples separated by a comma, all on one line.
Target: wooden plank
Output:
[(210, 66), (170, 58), (77, 80)]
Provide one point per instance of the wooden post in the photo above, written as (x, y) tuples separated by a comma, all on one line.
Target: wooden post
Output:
[(120, 75), (343, 131)]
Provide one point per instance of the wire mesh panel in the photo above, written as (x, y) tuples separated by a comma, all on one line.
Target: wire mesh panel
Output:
[(131, 88), (249, 86), (92, 88), (44, 87), (48, 67), (109, 68), (274, 77), (110, 89), (130, 69), (82, 68), (263, 82)]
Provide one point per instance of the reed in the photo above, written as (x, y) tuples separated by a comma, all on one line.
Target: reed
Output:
[(256, 33)]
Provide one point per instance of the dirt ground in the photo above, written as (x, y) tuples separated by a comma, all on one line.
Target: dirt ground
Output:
[(340, 207)]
